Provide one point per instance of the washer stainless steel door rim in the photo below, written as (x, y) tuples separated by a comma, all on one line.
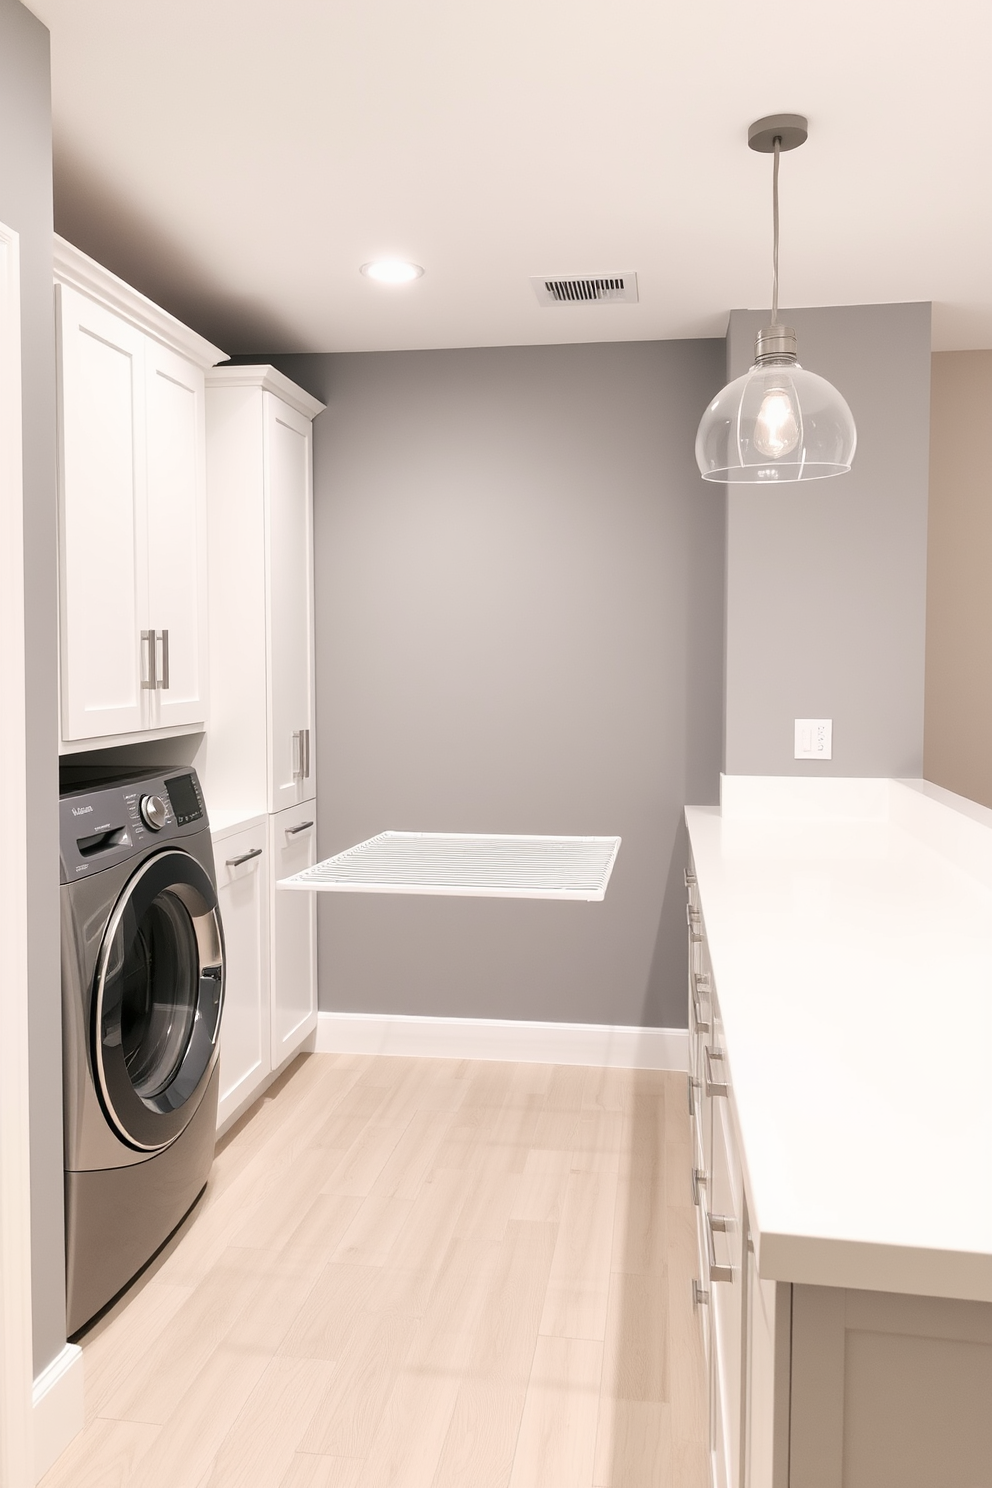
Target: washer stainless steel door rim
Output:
[(159, 992)]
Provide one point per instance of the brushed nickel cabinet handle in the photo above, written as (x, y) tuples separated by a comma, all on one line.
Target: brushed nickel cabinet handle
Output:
[(703, 1021), (700, 1295), (306, 754), (712, 1084), (298, 755), (256, 852), (723, 1223), (692, 1086), (163, 680), (690, 878), (292, 831), (698, 1182), (148, 660)]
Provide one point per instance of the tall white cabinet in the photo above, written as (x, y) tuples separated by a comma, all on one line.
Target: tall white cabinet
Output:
[(132, 511), (258, 756)]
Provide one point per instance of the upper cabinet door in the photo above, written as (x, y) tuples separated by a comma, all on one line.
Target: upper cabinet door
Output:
[(103, 580), (176, 532), (289, 580)]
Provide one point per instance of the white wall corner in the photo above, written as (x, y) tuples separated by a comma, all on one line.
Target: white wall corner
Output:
[(57, 1398), (505, 1040)]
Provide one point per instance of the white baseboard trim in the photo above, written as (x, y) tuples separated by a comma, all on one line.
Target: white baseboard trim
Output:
[(497, 1038), (57, 1398)]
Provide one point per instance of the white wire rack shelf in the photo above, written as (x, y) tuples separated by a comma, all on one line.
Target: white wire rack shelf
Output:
[(467, 863)]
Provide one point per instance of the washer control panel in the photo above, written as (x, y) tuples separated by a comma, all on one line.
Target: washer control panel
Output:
[(106, 816)]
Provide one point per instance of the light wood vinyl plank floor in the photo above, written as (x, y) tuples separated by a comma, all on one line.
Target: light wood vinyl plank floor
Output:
[(411, 1273)]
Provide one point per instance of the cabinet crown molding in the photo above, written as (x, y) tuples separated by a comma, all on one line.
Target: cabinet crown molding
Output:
[(79, 271), (270, 380)]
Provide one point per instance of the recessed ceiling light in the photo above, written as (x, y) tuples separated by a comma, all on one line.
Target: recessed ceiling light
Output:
[(392, 271)]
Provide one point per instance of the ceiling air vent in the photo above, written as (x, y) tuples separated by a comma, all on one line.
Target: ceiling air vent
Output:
[(573, 289)]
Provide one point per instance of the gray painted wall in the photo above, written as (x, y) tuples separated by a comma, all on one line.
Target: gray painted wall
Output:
[(519, 629), (26, 205), (826, 582)]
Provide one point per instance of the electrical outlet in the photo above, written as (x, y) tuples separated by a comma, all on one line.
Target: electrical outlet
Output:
[(814, 738)]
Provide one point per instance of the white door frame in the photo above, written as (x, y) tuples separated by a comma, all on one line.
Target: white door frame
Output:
[(16, 1424)]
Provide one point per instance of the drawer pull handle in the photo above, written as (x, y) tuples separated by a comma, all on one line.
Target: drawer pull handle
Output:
[(713, 1085), (256, 852), (698, 1182), (692, 1086), (702, 1021), (723, 1223), (292, 831), (700, 1295), (692, 916), (690, 878)]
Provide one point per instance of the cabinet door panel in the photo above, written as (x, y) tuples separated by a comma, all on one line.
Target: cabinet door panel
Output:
[(289, 580), (103, 581), (243, 892), (176, 527), (294, 932)]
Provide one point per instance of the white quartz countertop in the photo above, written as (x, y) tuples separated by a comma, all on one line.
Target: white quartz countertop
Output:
[(849, 926)]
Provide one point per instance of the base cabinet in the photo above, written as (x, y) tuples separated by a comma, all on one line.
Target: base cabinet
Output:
[(241, 860), (817, 1387), (292, 841), (270, 935)]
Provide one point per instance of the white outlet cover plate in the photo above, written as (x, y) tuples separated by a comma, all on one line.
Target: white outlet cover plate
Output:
[(814, 738)]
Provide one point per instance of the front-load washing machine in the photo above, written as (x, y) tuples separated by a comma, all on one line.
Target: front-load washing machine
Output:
[(142, 993)]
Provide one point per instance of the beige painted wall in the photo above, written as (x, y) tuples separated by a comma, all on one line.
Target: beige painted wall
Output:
[(957, 746)]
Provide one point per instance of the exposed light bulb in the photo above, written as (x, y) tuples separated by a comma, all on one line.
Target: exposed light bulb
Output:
[(776, 429), (392, 271)]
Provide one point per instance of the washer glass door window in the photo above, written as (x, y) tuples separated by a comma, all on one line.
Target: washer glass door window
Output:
[(158, 1003)]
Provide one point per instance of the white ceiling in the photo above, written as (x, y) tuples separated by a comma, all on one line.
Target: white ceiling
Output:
[(238, 160)]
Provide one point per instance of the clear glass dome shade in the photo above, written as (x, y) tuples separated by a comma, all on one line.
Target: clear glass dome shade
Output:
[(776, 423)]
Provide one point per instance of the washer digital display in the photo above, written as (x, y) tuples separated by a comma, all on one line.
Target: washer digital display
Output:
[(184, 799)]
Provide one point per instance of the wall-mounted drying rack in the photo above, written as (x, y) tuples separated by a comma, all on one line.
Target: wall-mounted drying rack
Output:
[(467, 863)]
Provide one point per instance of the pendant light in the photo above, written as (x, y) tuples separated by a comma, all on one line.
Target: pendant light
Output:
[(778, 422)]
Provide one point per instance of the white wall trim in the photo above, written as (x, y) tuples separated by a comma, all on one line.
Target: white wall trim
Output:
[(270, 380), (503, 1039), (15, 1168), (77, 269), (57, 1399)]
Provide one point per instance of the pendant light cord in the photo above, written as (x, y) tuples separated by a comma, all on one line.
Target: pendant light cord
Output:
[(777, 144)]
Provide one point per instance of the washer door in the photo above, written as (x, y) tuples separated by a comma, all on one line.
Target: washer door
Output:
[(159, 992)]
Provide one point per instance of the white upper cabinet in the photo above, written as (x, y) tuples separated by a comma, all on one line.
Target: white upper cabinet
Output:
[(176, 533), (289, 507), (104, 584), (260, 748), (132, 479)]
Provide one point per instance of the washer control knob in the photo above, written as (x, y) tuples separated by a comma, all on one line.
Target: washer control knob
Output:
[(153, 812)]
